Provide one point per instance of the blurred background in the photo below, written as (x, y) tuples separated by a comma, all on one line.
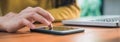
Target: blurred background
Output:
[(90, 7)]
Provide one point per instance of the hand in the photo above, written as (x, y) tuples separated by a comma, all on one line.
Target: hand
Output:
[(13, 22)]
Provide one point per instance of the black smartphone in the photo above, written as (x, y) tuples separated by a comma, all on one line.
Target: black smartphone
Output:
[(58, 30)]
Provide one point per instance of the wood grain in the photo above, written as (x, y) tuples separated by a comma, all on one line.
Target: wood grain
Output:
[(91, 34)]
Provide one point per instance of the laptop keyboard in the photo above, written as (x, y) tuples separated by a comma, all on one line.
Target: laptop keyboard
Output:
[(113, 19)]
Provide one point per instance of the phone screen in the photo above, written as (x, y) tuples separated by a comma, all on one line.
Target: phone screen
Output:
[(58, 28)]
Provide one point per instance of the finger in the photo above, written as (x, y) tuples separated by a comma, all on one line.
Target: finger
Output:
[(50, 27), (28, 24), (45, 13), (28, 9), (31, 20), (41, 19), (36, 17)]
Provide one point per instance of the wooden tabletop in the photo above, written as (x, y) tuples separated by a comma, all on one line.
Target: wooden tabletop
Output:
[(91, 34)]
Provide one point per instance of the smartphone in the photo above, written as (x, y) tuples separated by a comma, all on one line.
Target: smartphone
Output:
[(58, 30)]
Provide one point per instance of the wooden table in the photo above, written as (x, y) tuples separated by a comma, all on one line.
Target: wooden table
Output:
[(91, 34)]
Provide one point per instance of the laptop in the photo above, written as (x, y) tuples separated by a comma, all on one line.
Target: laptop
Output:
[(110, 18)]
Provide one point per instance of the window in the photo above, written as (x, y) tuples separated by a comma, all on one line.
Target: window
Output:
[(90, 7)]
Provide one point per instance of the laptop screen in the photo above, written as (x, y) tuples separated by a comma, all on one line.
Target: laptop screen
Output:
[(111, 7)]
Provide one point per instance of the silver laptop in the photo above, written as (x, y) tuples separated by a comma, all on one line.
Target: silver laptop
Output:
[(110, 18)]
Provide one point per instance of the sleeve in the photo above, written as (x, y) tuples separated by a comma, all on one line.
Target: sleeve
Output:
[(0, 9), (65, 12)]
